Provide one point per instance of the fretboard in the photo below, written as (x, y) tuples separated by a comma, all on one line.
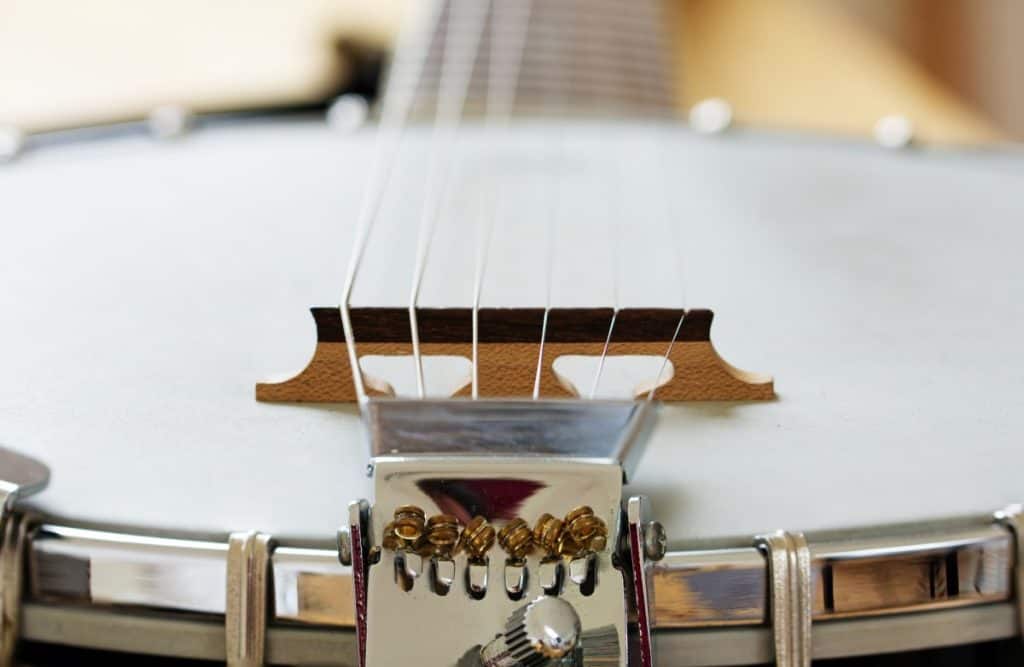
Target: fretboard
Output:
[(584, 57)]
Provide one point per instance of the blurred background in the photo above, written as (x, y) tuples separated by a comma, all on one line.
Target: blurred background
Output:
[(954, 67)]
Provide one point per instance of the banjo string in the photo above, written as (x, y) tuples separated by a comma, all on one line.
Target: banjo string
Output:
[(502, 86), (554, 188), (623, 82), (659, 156), (461, 49), (549, 262), (664, 361), (395, 112), (614, 234), (411, 56), (673, 234), (616, 208)]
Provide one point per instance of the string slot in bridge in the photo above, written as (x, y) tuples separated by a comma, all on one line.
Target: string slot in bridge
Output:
[(509, 345)]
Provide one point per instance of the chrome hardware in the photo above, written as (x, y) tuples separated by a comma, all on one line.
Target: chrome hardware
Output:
[(476, 579), (549, 575), (1010, 517), (310, 587), (12, 564), (636, 517), (581, 569), (711, 116), (169, 121), (789, 567), (894, 132), (345, 546), (606, 431), (544, 630), (515, 579), (12, 141), (655, 541), (93, 589), (19, 476), (359, 531), (348, 112), (443, 574), (245, 617), (481, 470)]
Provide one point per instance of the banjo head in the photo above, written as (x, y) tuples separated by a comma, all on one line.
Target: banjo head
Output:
[(151, 284)]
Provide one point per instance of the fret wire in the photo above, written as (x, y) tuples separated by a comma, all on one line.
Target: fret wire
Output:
[(587, 40), (457, 68), (395, 111), (583, 83)]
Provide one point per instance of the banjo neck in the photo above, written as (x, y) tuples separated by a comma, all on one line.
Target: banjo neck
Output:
[(579, 57)]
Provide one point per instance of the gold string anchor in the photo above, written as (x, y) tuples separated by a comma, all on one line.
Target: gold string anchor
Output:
[(516, 539), (477, 538), (586, 529)]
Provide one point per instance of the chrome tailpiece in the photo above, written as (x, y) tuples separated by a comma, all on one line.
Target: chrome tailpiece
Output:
[(499, 537)]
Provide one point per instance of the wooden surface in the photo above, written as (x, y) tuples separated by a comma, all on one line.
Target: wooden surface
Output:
[(509, 344), (713, 589), (797, 64), (808, 65), (67, 64)]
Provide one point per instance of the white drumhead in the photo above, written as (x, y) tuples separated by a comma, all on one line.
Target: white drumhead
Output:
[(148, 286)]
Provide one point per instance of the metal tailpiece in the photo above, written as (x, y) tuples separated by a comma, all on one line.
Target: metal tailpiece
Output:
[(491, 517)]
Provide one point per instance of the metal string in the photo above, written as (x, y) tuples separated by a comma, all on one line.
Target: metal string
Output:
[(552, 222), (410, 58), (613, 238), (614, 228), (505, 66), (549, 262), (461, 49), (664, 361), (483, 245), (673, 232), (622, 82)]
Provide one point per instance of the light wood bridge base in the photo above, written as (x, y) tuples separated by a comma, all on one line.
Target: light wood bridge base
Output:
[(508, 348)]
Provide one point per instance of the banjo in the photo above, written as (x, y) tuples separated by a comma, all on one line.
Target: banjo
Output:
[(513, 442)]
